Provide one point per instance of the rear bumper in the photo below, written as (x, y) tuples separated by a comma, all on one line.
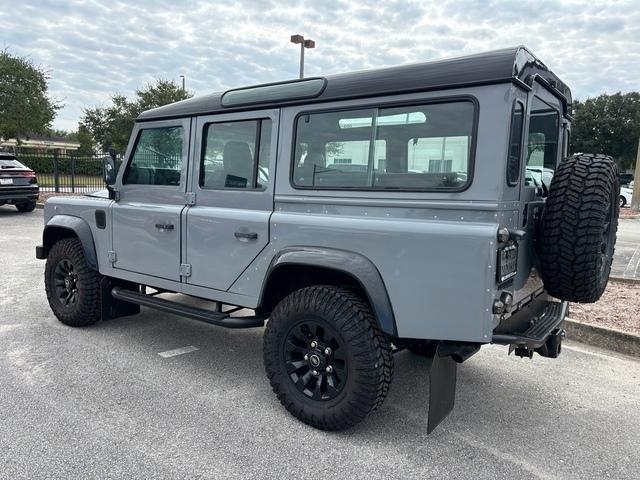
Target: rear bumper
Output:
[(532, 325), (19, 194)]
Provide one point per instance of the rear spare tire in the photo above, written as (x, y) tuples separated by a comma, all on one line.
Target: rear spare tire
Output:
[(579, 227)]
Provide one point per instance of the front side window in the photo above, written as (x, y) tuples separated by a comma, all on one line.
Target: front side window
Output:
[(236, 155), (417, 147), (542, 144), (157, 158)]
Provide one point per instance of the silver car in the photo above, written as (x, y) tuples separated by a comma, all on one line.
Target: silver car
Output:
[(357, 215)]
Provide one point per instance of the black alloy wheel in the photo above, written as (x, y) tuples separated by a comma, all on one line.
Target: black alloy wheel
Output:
[(315, 360)]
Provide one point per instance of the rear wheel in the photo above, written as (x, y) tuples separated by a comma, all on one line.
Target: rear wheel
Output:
[(623, 201), (579, 227), (325, 357), (73, 288), (26, 207)]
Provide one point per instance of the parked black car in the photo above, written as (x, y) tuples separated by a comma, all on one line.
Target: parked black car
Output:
[(18, 184)]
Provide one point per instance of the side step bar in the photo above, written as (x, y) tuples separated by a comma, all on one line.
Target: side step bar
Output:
[(214, 318)]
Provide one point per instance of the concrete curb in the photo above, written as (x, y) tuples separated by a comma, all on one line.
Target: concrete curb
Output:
[(39, 205), (628, 281), (602, 337)]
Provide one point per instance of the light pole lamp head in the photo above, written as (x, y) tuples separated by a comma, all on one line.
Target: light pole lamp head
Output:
[(309, 44), (297, 39)]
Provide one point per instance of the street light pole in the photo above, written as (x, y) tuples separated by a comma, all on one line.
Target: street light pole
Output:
[(308, 43)]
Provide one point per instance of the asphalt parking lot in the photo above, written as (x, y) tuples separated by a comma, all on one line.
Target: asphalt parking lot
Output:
[(626, 262), (101, 402)]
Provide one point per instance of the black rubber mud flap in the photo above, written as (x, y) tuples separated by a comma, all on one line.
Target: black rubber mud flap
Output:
[(442, 388), (112, 308)]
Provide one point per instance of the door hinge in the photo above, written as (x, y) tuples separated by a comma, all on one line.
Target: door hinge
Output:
[(190, 198), (112, 256), (185, 269)]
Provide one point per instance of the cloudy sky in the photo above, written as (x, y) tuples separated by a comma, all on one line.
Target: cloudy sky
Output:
[(96, 48)]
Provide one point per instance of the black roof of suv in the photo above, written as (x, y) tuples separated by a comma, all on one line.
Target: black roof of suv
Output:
[(516, 65)]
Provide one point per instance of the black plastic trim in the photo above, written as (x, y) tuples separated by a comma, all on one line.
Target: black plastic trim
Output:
[(76, 225), (353, 264)]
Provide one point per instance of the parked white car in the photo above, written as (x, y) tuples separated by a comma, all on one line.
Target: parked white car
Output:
[(625, 195)]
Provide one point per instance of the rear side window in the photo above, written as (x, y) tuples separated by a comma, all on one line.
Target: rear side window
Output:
[(236, 155), (418, 147), (515, 143), (157, 158)]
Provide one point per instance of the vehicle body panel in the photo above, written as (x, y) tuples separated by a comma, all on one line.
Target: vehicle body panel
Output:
[(435, 251)]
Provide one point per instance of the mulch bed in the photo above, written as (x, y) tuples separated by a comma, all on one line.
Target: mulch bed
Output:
[(629, 212), (619, 308)]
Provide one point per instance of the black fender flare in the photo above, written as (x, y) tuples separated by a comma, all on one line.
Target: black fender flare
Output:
[(357, 266), (76, 225)]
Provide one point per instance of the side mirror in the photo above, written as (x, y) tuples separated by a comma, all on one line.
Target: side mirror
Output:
[(109, 172)]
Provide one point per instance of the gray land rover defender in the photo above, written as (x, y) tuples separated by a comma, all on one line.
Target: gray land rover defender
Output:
[(430, 207)]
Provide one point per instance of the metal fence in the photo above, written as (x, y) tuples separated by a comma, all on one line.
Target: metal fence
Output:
[(66, 173)]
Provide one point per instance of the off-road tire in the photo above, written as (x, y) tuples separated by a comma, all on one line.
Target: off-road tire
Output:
[(85, 310), (26, 207), (369, 362), (579, 226)]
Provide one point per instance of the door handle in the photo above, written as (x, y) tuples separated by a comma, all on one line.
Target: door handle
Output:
[(164, 226), (246, 235)]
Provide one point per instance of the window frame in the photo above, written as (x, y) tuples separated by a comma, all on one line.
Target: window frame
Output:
[(522, 132), (257, 145), (392, 104), (132, 153)]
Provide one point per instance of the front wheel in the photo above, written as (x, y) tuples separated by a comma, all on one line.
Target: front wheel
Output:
[(325, 357), (73, 288), (623, 201)]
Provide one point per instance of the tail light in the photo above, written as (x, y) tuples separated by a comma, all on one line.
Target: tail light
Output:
[(31, 176)]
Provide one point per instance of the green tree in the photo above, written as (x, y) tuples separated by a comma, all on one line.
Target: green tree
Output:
[(608, 124), (110, 126), (25, 106)]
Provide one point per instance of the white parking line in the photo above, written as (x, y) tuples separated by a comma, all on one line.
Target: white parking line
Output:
[(178, 351), (634, 265)]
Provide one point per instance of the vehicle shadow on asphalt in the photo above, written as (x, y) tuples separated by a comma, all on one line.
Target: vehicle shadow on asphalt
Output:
[(233, 359)]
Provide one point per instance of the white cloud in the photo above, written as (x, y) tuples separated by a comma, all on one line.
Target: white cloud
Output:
[(99, 47)]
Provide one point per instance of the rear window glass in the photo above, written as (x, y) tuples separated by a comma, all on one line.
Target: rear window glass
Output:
[(418, 147), (10, 163)]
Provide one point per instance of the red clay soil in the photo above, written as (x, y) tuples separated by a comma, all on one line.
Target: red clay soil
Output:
[(628, 212), (619, 308)]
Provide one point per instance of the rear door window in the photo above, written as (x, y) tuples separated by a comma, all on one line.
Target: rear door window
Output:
[(542, 143), (236, 155)]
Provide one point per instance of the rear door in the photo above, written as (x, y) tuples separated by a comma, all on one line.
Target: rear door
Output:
[(542, 150), (233, 183), (152, 185)]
